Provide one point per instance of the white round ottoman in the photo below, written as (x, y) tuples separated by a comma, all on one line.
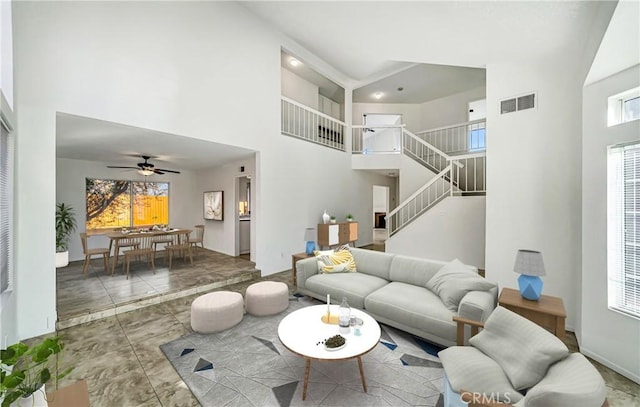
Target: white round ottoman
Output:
[(216, 311), (267, 298)]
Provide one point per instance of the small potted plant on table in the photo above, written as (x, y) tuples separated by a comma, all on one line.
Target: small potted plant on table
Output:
[(349, 217), (31, 367), (333, 219)]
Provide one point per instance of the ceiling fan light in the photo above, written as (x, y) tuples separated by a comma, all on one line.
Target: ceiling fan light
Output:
[(145, 172)]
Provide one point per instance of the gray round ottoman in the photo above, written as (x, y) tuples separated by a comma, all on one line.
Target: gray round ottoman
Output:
[(267, 298), (217, 311)]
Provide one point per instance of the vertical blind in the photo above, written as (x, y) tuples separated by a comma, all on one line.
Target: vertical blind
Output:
[(624, 229), (6, 163)]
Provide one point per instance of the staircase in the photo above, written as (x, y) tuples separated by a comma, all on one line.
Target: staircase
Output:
[(460, 166)]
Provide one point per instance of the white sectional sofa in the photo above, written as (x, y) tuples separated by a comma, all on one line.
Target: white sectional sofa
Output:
[(415, 295)]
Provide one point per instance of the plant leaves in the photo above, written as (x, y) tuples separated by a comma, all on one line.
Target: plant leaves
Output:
[(10, 398), (45, 375), (14, 379)]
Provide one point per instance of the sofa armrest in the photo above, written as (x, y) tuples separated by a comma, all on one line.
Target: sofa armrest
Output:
[(477, 305), (305, 268)]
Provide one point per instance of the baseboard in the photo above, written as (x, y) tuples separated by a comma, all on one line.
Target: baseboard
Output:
[(629, 375)]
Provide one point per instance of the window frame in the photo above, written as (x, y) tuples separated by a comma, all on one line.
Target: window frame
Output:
[(616, 107), (7, 216), (618, 237), (131, 205)]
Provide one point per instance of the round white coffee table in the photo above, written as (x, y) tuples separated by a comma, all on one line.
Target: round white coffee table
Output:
[(303, 331)]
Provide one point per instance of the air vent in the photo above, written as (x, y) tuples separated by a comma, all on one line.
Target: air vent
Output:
[(518, 103)]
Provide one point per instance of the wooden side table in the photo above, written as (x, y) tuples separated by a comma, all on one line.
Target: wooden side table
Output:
[(74, 395), (294, 259), (548, 312)]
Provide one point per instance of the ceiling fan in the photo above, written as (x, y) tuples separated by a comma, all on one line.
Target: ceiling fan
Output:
[(146, 168)]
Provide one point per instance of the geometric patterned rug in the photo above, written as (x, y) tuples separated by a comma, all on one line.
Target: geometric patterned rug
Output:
[(248, 366)]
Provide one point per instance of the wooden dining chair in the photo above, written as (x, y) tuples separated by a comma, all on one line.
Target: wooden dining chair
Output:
[(166, 240), (181, 248), (138, 254), (104, 251), (198, 238)]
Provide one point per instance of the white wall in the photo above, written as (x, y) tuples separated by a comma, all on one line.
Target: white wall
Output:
[(448, 110), (176, 67), (598, 322), (533, 176), (413, 176), (184, 205), (222, 236), (454, 228), (6, 53), (298, 89), (410, 112)]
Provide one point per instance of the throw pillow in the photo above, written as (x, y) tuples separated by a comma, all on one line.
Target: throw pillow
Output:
[(323, 258), (523, 349), (453, 281), (337, 262)]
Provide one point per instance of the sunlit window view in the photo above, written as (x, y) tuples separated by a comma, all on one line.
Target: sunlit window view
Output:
[(117, 203)]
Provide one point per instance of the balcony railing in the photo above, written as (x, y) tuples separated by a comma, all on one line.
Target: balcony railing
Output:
[(311, 125), (457, 139)]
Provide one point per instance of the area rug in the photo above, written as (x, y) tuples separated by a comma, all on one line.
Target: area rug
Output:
[(248, 366)]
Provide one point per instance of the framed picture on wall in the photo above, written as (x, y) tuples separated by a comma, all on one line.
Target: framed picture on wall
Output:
[(213, 207)]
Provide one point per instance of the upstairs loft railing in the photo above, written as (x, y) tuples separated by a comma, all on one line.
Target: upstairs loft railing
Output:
[(300, 121), (460, 138)]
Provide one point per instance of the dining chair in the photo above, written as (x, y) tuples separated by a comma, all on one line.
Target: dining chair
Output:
[(139, 253), (183, 249), (104, 251), (198, 238), (166, 240)]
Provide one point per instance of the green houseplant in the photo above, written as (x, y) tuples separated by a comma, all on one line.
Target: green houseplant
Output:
[(65, 226), (25, 369), (349, 217)]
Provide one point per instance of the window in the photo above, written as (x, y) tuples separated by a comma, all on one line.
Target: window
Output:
[(624, 229), (117, 203), (477, 110), (624, 107), (6, 218)]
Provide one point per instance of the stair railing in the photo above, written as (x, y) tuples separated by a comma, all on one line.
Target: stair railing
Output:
[(420, 201), (458, 138), (470, 178), (303, 122), (426, 154)]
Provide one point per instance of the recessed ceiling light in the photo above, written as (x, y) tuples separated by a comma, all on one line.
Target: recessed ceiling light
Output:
[(294, 62), (378, 95)]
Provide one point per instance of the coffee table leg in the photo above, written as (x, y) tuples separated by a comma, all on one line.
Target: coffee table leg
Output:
[(364, 382), (306, 379)]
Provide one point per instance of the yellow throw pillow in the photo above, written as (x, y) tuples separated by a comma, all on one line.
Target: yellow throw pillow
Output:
[(340, 261)]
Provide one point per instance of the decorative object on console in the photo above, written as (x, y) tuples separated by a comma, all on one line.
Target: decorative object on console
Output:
[(310, 238), (325, 217), (530, 266), (349, 217), (333, 219), (213, 205)]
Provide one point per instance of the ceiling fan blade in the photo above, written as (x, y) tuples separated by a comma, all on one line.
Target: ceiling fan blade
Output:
[(113, 166), (156, 171), (172, 171)]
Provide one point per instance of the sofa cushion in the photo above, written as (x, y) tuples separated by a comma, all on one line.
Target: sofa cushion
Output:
[(469, 369), (372, 262), (412, 270), (413, 306), (354, 286), (523, 349), (572, 381), (454, 280)]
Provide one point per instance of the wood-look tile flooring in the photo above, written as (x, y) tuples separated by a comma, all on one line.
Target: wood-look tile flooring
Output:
[(120, 358)]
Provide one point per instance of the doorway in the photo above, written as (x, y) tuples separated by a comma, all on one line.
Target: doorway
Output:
[(243, 205), (380, 211)]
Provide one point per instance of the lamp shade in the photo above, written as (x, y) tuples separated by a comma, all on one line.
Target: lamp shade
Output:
[(309, 235), (529, 263)]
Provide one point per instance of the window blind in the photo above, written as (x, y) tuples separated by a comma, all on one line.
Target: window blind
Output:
[(624, 229), (6, 170)]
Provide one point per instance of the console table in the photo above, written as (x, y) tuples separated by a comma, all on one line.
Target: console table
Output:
[(334, 234), (548, 312)]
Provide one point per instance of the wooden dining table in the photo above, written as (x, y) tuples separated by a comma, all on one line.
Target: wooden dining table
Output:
[(143, 236)]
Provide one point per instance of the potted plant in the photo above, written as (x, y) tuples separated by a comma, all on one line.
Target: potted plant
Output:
[(65, 226), (25, 370), (349, 217), (333, 219)]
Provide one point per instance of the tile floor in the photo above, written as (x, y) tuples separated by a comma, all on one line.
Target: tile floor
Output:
[(120, 358)]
